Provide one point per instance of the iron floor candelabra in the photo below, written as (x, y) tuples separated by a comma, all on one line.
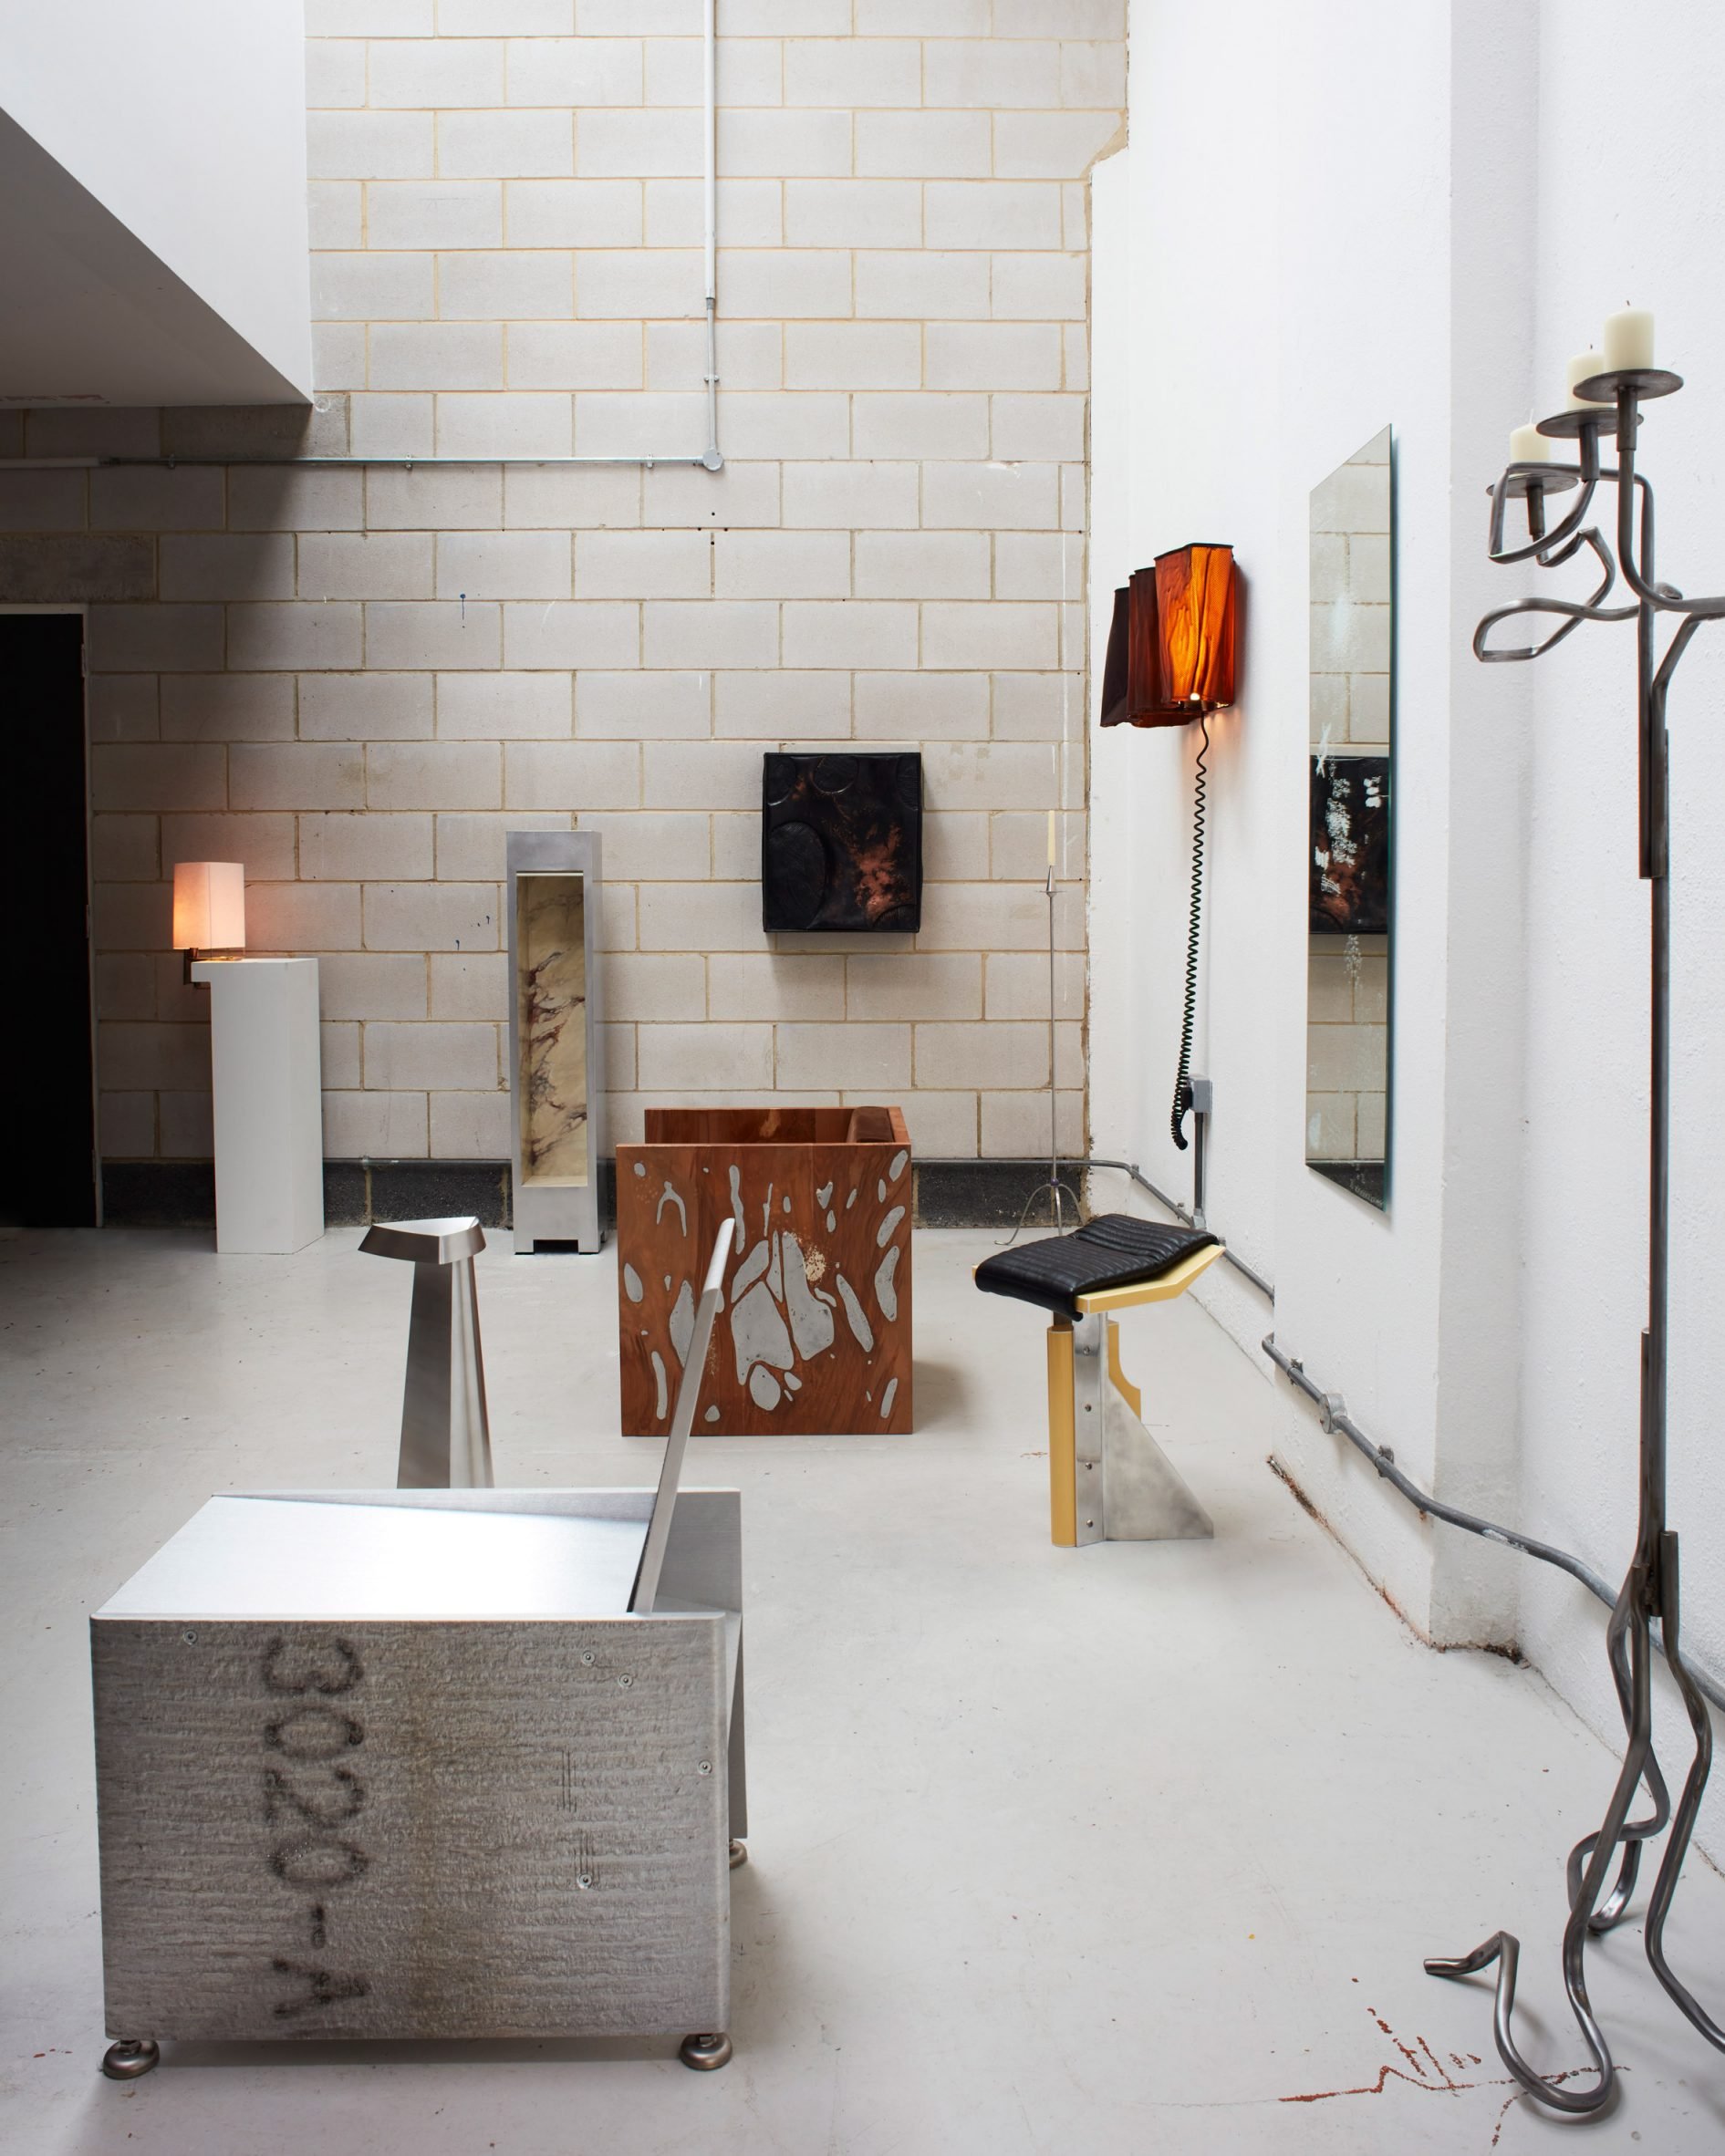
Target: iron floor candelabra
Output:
[(1650, 1588)]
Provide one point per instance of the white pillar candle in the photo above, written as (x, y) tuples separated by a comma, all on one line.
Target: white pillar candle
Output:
[(1529, 446), (1051, 838), (1582, 366), (1629, 339)]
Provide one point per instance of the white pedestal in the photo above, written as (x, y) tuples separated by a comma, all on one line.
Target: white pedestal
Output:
[(269, 1125)]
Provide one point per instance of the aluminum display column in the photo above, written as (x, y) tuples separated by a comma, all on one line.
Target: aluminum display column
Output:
[(556, 1079)]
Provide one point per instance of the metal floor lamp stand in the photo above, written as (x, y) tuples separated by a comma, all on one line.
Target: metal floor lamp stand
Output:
[(1057, 1191), (1650, 1589)]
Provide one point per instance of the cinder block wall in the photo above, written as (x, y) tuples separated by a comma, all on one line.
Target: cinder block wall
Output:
[(354, 680)]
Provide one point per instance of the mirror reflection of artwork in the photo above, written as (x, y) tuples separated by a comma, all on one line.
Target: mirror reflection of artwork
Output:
[(1349, 868), (841, 843), (1349, 914)]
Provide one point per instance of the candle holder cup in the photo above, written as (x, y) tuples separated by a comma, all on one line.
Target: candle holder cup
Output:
[(1641, 381)]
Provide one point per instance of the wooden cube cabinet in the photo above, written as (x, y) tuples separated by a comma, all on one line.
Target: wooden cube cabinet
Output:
[(815, 1333)]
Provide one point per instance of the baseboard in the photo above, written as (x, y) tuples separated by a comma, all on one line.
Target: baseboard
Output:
[(182, 1193), (986, 1193), (159, 1193), (357, 1192)]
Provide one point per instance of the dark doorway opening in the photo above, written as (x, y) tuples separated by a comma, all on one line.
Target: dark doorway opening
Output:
[(51, 1177)]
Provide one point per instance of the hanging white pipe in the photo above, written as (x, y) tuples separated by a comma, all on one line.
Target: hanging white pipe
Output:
[(712, 460), (710, 99)]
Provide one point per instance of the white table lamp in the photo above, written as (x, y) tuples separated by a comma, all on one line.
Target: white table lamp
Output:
[(209, 907)]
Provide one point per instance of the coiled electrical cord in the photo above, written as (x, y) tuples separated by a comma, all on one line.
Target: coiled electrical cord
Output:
[(1182, 1076)]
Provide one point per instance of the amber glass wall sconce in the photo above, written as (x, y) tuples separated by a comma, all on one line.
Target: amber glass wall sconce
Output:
[(1170, 660), (209, 911), (1170, 655)]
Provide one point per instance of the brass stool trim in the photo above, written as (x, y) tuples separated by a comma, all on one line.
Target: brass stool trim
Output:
[(1174, 1282), (1063, 1456), (1063, 1439)]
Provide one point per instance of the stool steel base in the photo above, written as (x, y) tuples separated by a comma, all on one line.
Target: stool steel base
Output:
[(1108, 1480)]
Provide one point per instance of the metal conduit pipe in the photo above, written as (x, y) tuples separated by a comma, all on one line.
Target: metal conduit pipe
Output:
[(1332, 1416), (169, 462), (710, 458)]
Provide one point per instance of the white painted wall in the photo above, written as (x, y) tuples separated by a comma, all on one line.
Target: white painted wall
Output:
[(1382, 229), (185, 122), (1273, 333)]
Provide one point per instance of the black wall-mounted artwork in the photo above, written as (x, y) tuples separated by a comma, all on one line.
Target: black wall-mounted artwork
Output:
[(1349, 865), (841, 843)]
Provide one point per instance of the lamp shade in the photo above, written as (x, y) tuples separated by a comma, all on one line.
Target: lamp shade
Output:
[(1171, 654), (209, 906), (1195, 627)]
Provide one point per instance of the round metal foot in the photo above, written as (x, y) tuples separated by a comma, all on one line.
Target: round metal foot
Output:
[(705, 2054), (126, 2061), (739, 1854)]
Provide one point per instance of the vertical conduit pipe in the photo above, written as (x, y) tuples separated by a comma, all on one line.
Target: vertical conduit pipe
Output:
[(710, 58)]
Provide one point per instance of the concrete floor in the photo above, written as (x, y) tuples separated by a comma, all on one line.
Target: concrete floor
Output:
[(1128, 1850)]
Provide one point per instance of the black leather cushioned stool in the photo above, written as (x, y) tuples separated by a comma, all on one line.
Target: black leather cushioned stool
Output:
[(1114, 1251), (1107, 1478)]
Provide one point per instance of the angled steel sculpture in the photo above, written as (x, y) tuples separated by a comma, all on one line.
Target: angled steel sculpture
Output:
[(1651, 1594), (445, 1428), (641, 1602)]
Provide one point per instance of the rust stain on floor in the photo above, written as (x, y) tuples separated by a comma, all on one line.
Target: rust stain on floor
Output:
[(1424, 2070)]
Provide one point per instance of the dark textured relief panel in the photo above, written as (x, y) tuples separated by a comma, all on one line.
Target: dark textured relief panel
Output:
[(841, 843)]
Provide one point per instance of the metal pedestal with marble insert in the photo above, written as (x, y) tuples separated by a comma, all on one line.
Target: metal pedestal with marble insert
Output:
[(556, 1078)]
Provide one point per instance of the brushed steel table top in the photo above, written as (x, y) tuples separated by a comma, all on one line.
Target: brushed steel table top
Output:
[(272, 1557)]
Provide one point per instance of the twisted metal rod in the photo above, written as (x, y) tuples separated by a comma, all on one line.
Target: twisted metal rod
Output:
[(1650, 1590)]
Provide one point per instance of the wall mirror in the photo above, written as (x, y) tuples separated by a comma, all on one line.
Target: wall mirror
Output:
[(1349, 908)]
